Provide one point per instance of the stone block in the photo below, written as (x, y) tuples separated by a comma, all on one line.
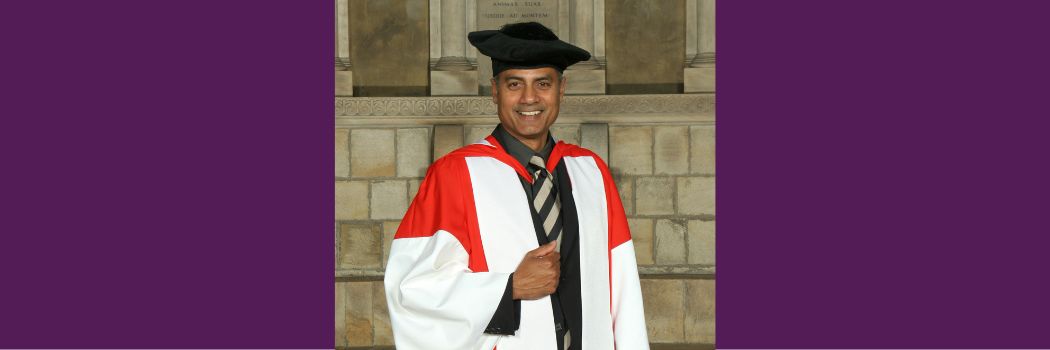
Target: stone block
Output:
[(359, 314), (342, 153), (372, 152), (389, 229), (696, 195), (413, 188), (595, 137), (659, 48), (700, 311), (702, 149), (701, 242), (447, 138), (631, 149), (626, 188), (413, 152), (585, 82), (390, 44), (568, 133), (699, 79), (383, 333), (389, 199), (351, 200), (642, 236), (669, 242), (344, 83), (654, 196), (340, 313), (671, 150), (664, 309), (454, 83), (359, 246), (477, 132)]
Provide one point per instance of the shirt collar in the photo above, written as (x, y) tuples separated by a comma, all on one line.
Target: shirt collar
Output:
[(520, 151)]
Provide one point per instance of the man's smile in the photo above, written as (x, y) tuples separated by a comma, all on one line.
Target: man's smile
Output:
[(529, 115)]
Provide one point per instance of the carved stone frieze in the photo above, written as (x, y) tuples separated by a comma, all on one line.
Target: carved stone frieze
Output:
[(685, 104)]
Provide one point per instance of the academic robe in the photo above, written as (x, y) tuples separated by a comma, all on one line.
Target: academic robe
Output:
[(468, 229)]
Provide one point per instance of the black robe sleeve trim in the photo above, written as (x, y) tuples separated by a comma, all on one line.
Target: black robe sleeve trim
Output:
[(506, 319)]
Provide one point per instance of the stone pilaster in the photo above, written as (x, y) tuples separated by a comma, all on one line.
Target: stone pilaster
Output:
[(691, 27), (435, 32), (700, 72), (599, 32), (453, 36), (583, 31), (344, 76), (585, 77), (705, 45), (453, 74)]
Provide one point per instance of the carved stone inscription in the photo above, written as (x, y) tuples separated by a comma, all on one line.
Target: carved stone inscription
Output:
[(493, 14)]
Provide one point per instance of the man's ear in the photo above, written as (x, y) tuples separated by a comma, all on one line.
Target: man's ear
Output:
[(561, 87), (495, 90)]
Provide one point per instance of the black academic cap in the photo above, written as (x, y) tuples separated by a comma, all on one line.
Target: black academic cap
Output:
[(526, 45)]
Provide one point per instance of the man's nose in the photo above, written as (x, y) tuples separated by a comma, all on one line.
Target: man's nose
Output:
[(528, 95)]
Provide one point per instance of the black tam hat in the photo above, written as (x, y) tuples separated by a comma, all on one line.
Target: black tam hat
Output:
[(526, 45)]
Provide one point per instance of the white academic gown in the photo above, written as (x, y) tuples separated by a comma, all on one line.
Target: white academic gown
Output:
[(467, 230)]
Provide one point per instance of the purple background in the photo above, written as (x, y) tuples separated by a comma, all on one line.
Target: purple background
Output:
[(166, 177), (883, 174), (167, 174)]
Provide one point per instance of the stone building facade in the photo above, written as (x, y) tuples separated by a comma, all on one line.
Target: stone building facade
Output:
[(410, 89)]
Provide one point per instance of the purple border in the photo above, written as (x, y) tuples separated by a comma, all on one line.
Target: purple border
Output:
[(167, 175), (883, 174), (882, 180)]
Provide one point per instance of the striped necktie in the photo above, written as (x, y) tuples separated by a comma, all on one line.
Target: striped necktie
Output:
[(548, 207), (545, 200)]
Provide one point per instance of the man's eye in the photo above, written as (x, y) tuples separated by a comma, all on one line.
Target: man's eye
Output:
[(545, 84)]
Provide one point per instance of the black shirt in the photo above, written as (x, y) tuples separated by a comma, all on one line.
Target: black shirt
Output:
[(520, 151)]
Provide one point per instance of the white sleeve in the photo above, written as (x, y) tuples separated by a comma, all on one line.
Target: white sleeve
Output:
[(435, 301), (628, 314)]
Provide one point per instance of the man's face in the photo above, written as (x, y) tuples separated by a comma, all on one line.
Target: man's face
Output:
[(527, 102)]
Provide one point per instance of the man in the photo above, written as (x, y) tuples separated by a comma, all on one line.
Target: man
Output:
[(517, 242)]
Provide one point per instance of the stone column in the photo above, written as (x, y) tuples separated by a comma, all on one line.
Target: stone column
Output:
[(344, 76), (700, 72), (453, 36), (435, 32), (583, 31), (472, 25), (585, 77), (453, 74), (599, 32), (691, 28), (705, 44)]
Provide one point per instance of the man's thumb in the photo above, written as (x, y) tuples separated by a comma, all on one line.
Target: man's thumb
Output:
[(545, 249)]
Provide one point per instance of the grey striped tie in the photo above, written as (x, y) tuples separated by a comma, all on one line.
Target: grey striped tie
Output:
[(545, 200)]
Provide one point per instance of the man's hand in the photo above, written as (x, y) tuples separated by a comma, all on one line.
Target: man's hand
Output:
[(537, 274)]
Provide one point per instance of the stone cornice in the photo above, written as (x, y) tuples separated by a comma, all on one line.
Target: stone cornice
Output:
[(649, 109)]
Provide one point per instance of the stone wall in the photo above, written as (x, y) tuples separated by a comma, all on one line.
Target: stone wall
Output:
[(661, 153)]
